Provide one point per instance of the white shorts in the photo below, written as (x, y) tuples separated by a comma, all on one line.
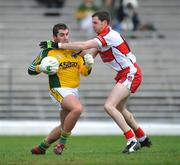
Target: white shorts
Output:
[(58, 94)]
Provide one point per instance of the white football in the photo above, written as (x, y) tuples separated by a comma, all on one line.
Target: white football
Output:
[(49, 65)]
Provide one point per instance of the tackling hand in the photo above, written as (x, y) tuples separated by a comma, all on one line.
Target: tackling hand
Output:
[(89, 60), (48, 44)]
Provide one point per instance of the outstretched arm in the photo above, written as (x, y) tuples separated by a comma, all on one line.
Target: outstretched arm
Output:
[(79, 45)]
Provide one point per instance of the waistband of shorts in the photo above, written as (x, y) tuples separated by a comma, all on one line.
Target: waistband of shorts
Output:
[(128, 67), (124, 71)]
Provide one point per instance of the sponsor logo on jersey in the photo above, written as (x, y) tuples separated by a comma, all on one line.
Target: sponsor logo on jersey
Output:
[(65, 65)]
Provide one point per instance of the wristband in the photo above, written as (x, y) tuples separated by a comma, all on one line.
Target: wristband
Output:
[(59, 45)]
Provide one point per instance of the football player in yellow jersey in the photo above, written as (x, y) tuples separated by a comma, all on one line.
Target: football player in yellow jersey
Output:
[(63, 88)]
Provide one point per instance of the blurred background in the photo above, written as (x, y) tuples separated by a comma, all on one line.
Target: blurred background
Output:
[(152, 29)]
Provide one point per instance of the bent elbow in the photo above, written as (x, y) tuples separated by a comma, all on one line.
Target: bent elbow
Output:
[(30, 72)]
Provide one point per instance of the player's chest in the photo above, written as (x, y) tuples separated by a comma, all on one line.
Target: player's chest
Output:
[(67, 61)]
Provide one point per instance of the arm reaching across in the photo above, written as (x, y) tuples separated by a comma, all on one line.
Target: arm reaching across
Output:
[(80, 45)]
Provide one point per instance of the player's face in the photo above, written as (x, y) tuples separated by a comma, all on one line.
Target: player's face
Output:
[(62, 36), (98, 25)]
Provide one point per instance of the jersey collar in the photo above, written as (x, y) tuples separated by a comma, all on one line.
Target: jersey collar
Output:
[(105, 30)]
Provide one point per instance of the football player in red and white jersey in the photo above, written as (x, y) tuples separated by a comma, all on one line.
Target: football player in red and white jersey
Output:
[(115, 52)]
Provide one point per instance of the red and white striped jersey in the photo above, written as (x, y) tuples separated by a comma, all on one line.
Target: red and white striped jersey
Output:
[(114, 50)]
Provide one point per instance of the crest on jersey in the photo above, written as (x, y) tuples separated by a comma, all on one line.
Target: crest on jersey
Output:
[(74, 55), (129, 78)]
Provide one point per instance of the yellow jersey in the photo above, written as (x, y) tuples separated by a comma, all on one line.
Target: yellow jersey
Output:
[(71, 66)]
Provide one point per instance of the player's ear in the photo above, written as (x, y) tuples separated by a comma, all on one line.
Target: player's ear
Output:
[(105, 22), (54, 38)]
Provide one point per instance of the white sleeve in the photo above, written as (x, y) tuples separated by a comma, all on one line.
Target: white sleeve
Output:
[(99, 43)]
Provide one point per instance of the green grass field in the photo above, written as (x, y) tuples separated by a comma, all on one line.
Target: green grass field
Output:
[(90, 150)]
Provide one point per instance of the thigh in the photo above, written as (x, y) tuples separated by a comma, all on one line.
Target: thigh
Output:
[(59, 94), (71, 102), (118, 94)]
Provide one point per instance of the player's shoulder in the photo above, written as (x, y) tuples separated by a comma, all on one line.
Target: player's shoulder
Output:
[(45, 51), (113, 36), (58, 52), (76, 54), (113, 33)]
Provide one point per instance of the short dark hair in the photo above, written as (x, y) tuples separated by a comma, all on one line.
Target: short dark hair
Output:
[(59, 26), (102, 15)]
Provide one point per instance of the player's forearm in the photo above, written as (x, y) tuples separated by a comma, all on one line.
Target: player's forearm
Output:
[(73, 45), (34, 69), (79, 45)]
